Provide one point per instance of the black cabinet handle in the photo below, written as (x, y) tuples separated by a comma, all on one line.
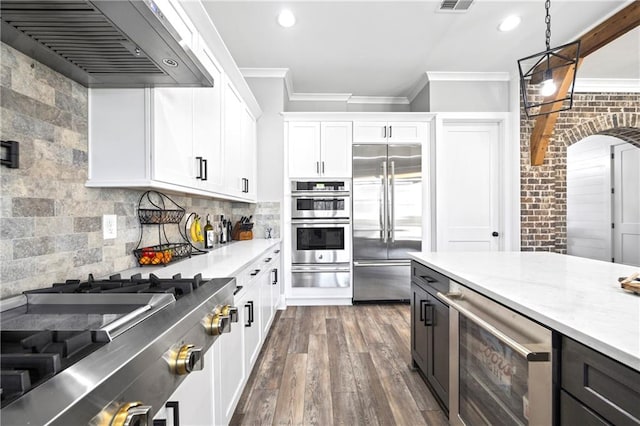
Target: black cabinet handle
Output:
[(428, 279), (428, 320), (249, 305), (495, 234), (323, 167), (206, 170), (176, 411), (422, 303), (199, 168), (277, 251), (390, 131), (268, 259), (275, 276), (255, 272), (247, 191), (385, 132)]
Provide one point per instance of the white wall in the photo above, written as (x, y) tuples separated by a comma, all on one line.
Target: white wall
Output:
[(469, 96), (589, 197), (353, 107), (342, 106), (421, 102), (270, 134)]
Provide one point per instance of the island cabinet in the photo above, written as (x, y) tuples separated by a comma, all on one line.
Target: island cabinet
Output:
[(430, 330), (595, 389)]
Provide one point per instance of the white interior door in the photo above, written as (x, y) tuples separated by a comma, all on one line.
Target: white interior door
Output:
[(626, 204), (467, 187), (589, 198)]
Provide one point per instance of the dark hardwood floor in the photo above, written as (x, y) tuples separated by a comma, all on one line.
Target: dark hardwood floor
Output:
[(338, 365)]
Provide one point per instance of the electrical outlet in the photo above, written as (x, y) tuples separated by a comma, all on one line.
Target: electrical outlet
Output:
[(109, 226)]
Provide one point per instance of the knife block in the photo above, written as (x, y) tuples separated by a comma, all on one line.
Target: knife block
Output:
[(242, 231)]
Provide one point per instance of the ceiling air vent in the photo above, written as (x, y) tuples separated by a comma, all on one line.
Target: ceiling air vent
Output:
[(455, 5)]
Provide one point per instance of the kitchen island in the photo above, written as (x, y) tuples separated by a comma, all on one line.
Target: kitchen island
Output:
[(596, 323)]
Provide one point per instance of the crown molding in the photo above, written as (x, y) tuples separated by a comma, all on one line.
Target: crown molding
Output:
[(467, 76), (611, 85), (264, 72), (320, 97), (422, 82), (396, 100)]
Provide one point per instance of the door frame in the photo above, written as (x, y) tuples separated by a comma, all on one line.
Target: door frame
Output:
[(508, 173)]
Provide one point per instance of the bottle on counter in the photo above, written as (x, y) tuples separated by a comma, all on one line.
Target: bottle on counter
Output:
[(209, 235), (229, 230), (223, 224)]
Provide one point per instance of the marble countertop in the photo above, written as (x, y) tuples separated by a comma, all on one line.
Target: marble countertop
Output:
[(223, 261), (580, 298)]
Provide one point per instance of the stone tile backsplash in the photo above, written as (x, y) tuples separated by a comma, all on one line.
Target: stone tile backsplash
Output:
[(50, 223)]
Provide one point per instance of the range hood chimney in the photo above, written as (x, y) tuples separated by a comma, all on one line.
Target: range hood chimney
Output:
[(103, 43)]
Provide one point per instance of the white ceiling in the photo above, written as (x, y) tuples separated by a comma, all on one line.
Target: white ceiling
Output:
[(383, 48)]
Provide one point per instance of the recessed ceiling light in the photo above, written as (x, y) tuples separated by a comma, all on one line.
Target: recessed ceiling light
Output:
[(509, 23), (286, 18)]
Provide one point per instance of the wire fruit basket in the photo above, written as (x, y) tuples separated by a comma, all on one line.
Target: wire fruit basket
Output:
[(152, 210)]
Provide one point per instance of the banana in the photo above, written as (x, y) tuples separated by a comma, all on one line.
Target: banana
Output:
[(193, 229), (199, 230)]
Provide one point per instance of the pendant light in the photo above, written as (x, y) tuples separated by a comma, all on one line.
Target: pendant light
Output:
[(542, 73)]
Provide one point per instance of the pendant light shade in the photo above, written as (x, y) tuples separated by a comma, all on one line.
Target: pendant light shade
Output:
[(537, 83), (543, 76)]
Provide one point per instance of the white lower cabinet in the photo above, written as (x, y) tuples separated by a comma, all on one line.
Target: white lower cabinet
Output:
[(235, 353)]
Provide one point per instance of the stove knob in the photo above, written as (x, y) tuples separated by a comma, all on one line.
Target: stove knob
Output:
[(228, 311), (186, 359), (216, 324), (132, 414)]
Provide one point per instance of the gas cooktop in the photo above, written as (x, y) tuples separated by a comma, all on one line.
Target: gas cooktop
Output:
[(61, 346)]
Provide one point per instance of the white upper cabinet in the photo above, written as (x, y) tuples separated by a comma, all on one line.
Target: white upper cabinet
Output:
[(173, 147), (304, 149), (320, 149), (195, 140), (389, 132)]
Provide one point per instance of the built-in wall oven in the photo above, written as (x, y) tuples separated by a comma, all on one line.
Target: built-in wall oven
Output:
[(320, 233), (501, 363)]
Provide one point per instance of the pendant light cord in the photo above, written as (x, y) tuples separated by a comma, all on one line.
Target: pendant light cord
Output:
[(547, 19)]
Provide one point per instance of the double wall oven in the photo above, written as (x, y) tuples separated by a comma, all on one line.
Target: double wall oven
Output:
[(321, 233)]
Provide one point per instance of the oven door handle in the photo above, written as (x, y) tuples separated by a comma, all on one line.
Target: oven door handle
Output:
[(321, 222), (531, 356), (307, 270)]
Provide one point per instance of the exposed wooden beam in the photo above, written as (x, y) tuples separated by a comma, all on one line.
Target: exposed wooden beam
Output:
[(543, 128), (604, 33)]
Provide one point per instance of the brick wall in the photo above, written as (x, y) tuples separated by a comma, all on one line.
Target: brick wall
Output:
[(50, 223), (543, 188)]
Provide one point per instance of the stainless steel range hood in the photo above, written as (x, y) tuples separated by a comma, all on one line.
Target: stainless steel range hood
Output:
[(103, 43)]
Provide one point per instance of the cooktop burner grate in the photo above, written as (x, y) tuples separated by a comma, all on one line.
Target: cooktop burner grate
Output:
[(29, 358), (175, 285)]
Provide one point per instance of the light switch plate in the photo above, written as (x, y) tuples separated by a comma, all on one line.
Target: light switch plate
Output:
[(109, 226)]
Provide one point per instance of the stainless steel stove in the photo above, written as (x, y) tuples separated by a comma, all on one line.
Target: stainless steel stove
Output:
[(106, 352)]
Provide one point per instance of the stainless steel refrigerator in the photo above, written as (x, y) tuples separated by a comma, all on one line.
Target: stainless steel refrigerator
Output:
[(387, 219)]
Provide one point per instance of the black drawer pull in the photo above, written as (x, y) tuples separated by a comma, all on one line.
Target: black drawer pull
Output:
[(428, 320), (255, 272), (268, 259), (422, 302)]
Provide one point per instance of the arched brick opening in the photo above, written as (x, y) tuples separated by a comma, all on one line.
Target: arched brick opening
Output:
[(623, 126)]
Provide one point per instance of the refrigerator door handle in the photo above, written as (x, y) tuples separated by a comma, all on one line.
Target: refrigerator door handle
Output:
[(392, 202), (385, 202)]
